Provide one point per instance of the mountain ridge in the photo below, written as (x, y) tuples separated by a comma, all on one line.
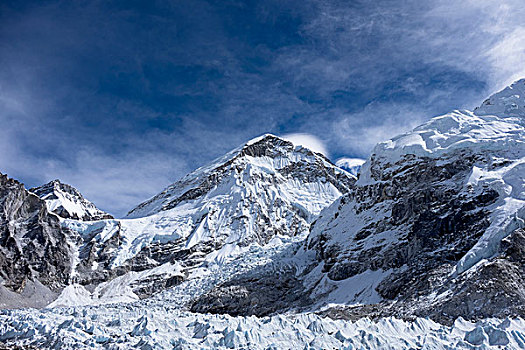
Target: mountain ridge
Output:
[(433, 228), (420, 231), (67, 202), (265, 189)]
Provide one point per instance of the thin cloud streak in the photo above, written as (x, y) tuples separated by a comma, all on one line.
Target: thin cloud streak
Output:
[(121, 100)]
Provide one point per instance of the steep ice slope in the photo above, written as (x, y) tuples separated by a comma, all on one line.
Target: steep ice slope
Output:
[(264, 189), (423, 227), (508, 102), (35, 251), (67, 202)]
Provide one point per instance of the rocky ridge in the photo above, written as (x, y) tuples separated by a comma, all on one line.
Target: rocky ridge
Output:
[(35, 250), (437, 214), (67, 202)]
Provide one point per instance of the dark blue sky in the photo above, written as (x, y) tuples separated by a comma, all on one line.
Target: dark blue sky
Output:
[(121, 98)]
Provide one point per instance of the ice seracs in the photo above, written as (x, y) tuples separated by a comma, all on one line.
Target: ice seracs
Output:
[(162, 326)]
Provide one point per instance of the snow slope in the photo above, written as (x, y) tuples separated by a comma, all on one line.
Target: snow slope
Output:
[(263, 189), (67, 202), (352, 165), (509, 102)]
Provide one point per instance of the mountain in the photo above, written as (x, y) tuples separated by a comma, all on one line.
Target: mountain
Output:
[(424, 250), (265, 189), (434, 225), (352, 165), (267, 158), (35, 251), (67, 202)]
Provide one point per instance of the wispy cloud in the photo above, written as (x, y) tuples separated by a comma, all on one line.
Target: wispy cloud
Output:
[(122, 99), (307, 140)]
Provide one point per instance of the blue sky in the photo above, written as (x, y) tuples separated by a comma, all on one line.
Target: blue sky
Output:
[(121, 98)]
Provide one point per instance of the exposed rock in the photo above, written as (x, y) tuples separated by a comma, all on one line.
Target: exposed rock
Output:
[(436, 213), (67, 202), (258, 294), (33, 245)]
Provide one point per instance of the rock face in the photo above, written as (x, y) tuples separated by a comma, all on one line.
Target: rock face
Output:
[(67, 202), (427, 217), (256, 293), (261, 190), (34, 248)]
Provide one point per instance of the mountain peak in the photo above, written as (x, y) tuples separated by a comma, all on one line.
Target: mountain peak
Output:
[(268, 154), (270, 145), (263, 138), (67, 202), (509, 102)]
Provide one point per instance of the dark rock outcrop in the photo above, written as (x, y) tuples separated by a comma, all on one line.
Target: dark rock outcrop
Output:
[(33, 245)]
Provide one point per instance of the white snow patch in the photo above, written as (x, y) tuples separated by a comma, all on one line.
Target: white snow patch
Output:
[(352, 165)]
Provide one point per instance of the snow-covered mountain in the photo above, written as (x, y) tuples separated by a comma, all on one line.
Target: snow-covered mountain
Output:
[(67, 202), (352, 165), (264, 189), (294, 171), (434, 225)]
